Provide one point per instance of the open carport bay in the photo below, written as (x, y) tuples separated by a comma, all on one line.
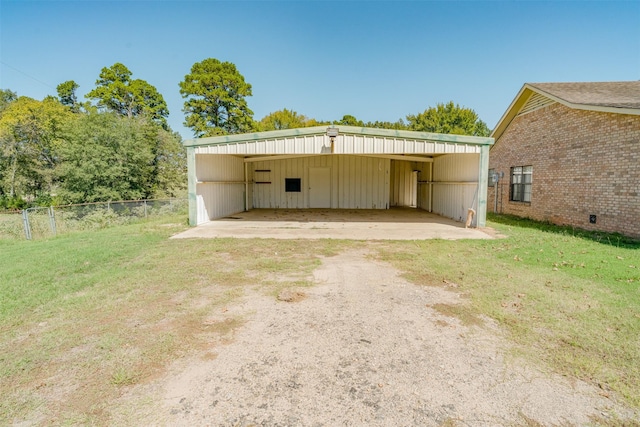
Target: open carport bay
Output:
[(354, 224)]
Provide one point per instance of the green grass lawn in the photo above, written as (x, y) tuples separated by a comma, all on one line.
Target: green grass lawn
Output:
[(85, 314), (568, 298)]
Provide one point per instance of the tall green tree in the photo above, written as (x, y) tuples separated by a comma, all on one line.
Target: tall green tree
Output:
[(67, 95), (216, 104), (106, 157), (398, 125), (286, 119), (6, 97), (349, 120), (31, 135), (448, 118), (169, 165), (116, 91)]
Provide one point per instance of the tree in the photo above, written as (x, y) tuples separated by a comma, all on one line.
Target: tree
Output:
[(6, 97), (349, 120), (117, 92), (169, 165), (399, 125), (106, 158), (215, 102), (67, 95), (286, 119), (30, 140), (449, 118), (110, 157)]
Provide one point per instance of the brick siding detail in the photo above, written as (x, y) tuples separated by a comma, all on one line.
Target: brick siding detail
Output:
[(584, 163)]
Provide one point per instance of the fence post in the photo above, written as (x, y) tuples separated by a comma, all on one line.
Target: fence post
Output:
[(52, 221), (27, 226), (145, 209)]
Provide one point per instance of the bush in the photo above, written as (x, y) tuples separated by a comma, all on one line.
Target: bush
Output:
[(12, 203)]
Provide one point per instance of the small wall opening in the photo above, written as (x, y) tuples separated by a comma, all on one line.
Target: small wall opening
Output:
[(292, 185)]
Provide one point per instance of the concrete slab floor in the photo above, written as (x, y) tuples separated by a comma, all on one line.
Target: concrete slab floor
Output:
[(350, 224)]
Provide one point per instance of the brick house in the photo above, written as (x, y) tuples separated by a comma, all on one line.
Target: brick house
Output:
[(569, 153)]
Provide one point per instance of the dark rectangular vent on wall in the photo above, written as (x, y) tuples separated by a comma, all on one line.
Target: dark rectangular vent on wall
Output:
[(292, 185)]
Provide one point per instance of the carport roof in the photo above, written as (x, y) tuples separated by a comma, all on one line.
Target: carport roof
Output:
[(342, 130)]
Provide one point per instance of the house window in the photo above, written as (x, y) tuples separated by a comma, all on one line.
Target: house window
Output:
[(521, 178), (292, 185)]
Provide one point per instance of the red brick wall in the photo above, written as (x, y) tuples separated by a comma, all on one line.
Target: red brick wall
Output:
[(584, 163)]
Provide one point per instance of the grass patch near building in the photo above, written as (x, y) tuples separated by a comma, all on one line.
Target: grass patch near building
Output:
[(87, 314), (569, 298)]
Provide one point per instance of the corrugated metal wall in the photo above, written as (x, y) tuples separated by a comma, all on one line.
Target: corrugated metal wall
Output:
[(307, 144), (404, 185), (343, 144), (220, 186), (455, 182), (357, 182), (363, 182)]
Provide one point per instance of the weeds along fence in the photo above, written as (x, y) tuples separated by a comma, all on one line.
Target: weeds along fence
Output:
[(41, 222)]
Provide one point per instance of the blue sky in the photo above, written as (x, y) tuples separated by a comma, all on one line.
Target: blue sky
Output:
[(376, 60)]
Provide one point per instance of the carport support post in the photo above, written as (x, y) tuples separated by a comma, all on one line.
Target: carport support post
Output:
[(246, 187), (191, 185), (483, 176)]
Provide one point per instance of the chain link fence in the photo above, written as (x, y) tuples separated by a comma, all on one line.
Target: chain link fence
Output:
[(11, 225), (40, 222)]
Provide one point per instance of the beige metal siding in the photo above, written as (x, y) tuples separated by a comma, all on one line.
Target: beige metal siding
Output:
[(452, 201), (364, 144), (403, 188), (455, 185), (217, 201), (363, 182), (357, 182), (269, 185), (425, 187), (456, 168), (310, 144), (219, 186), (343, 144)]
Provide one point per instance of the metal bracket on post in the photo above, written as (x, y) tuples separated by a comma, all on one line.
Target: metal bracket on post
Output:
[(27, 226)]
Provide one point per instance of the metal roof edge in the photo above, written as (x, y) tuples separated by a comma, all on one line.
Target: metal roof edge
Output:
[(254, 136), (411, 134), (349, 130)]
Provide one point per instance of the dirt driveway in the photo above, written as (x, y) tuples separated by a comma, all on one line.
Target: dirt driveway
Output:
[(362, 347)]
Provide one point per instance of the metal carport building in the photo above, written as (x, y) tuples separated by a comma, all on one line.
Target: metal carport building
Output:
[(338, 167)]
